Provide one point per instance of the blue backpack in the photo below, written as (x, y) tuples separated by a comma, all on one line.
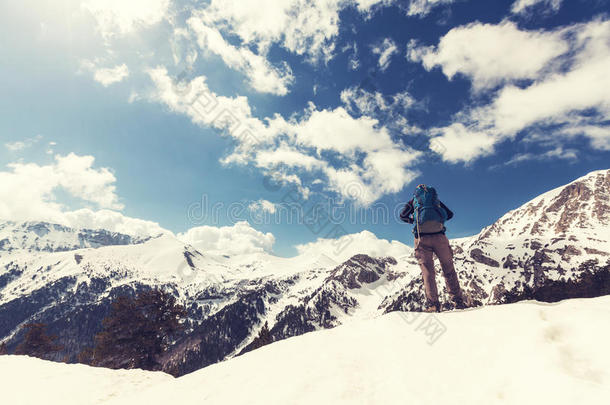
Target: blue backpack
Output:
[(427, 206)]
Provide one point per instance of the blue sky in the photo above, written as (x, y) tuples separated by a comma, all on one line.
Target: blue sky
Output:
[(356, 101)]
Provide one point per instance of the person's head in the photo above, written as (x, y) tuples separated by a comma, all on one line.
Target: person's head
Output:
[(425, 190), (421, 186)]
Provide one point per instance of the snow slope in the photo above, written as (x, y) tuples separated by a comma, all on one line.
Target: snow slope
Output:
[(30, 381), (519, 353), (514, 354)]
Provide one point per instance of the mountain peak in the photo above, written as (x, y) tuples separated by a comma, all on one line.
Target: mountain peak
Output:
[(580, 206), (39, 236)]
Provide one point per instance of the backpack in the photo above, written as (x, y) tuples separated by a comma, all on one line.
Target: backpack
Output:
[(427, 206)]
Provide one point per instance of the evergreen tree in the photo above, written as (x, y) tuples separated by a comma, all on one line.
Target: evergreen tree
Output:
[(138, 331), (37, 343), (114, 344), (3, 348), (264, 338)]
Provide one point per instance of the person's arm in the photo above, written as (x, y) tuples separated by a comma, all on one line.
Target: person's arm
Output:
[(449, 212), (407, 213)]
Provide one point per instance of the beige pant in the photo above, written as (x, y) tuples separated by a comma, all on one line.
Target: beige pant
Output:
[(438, 244)]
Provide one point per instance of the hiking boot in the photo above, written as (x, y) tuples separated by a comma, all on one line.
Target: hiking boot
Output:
[(458, 303), (432, 307)]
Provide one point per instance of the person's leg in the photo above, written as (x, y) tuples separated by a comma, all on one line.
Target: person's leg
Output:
[(443, 251), (423, 253)]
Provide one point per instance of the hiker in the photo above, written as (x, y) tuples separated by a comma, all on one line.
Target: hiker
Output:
[(428, 214)]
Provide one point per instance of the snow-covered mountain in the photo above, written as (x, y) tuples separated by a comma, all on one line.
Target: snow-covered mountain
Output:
[(553, 247), (521, 353), (46, 237)]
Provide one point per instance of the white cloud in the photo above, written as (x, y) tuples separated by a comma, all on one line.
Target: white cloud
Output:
[(360, 101), (347, 246), (233, 116), (491, 54), (461, 144), (353, 63), (72, 173), (373, 164), (390, 110), (112, 221), (522, 6), (563, 100), (262, 206), (367, 6), (598, 135), (354, 152), (304, 27), (76, 175), (556, 153), (336, 130), (108, 76), (105, 76), (20, 145), (262, 75), (237, 239), (124, 17), (385, 50), (289, 156), (421, 8), (29, 192)]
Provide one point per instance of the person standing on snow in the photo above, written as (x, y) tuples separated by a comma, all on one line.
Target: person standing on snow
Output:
[(428, 214)]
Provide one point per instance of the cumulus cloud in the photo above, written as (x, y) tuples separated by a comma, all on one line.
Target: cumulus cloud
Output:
[(462, 144), (232, 115), (373, 164), (385, 50), (352, 153), (346, 246), (237, 239), (304, 27), (491, 54), (86, 218), (522, 6), (119, 17), (29, 192), (262, 75), (72, 173), (565, 97)]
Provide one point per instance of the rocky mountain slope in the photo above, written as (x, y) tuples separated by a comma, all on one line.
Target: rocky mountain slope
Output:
[(553, 247)]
